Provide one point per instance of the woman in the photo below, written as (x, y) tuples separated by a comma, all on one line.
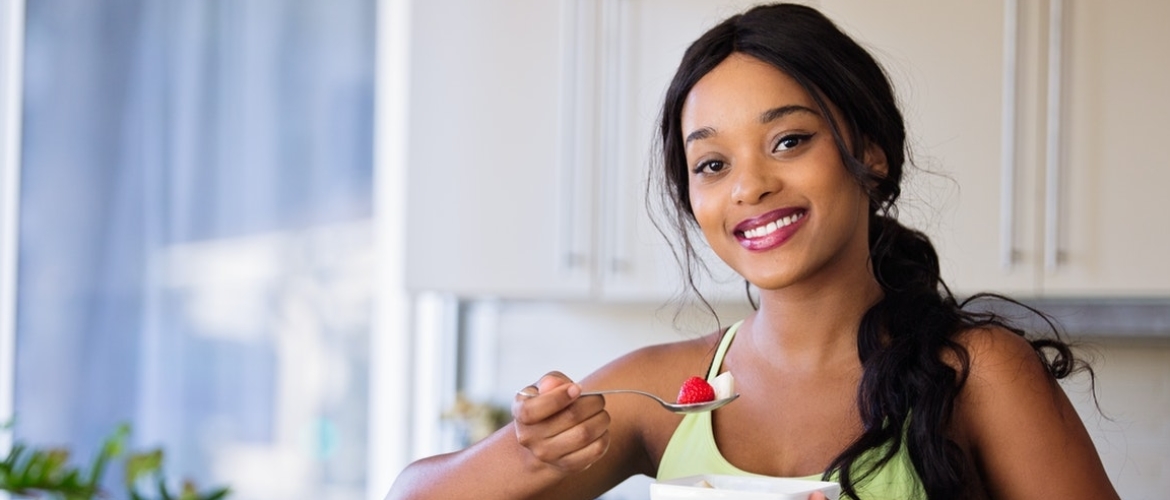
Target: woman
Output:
[(783, 143)]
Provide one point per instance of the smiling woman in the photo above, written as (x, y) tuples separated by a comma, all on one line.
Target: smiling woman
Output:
[(782, 141)]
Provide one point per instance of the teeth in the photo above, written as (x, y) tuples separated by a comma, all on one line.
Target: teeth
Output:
[(771, 227)]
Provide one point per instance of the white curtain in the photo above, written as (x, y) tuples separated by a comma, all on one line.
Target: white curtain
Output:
[(194, 242)]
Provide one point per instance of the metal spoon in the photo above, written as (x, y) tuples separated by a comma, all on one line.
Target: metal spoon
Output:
[(674, 407)]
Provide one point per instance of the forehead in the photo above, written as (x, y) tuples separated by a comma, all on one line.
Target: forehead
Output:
[(739, 88)]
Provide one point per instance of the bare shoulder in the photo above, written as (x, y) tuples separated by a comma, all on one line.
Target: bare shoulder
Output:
[(999, 356), (1006, 377), (1017, 422)]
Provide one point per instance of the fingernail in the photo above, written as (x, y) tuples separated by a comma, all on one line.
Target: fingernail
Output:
[(574, 390)]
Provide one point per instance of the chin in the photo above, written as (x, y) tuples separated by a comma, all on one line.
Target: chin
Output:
[(771, 281)]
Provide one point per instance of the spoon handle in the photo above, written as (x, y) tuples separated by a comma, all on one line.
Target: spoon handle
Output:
[(674, 407), (617, 391), (528, 394)]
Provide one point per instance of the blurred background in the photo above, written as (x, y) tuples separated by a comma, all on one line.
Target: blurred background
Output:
[(194, 236), (299, 243)]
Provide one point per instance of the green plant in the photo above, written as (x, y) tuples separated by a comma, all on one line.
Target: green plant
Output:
[(33, 472), (475, 419)]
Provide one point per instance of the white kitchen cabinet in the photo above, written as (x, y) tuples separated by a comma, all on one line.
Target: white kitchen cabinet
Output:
[(530, 126), (532, 129), (498, 149), (948, 69), (1046, 187), (642, 43), (1108, 220)]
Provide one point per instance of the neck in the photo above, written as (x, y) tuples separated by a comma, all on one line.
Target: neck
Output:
[(812, 326)]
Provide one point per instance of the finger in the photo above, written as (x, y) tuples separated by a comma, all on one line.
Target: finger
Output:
[(587, 423), (816, 495), (551, 440), (580, 446), (532, 410), (555, 395), (552, 380), (585, 457), (578, 411), (548, 382), (581, 412)]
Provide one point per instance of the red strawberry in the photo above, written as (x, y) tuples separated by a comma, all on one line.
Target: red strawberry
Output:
[(695, 390)]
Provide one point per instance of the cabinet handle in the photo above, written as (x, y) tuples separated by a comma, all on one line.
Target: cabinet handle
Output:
[(1007, 208), (612, 134), (570, 255), (1054, 132)]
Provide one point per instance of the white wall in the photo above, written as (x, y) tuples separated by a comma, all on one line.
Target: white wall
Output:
[(1133, 378), (536, 338), (1132, 431)]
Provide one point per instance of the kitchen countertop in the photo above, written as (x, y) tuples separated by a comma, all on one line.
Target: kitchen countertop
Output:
[(1103, 319)]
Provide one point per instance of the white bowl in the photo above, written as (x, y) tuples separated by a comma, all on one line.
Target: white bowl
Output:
[(740, 488)]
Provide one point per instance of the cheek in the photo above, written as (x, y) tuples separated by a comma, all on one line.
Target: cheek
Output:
[(701, 208), (835, 182), (696, 200)]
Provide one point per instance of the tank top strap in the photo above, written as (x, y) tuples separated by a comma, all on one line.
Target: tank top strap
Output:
[(721, 351)]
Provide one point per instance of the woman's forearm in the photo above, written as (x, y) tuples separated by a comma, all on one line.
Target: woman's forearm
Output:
[(493, 469)]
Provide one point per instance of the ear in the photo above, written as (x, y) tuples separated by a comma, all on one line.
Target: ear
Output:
[(875, 159)]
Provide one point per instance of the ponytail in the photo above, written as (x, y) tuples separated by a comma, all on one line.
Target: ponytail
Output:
[(908, 389)]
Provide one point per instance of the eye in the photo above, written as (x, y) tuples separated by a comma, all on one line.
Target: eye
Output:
[(791, 141), (709, 167)]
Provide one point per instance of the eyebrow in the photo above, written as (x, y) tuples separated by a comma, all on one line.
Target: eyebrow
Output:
[(778, 113), (768, 116), (698, 135)]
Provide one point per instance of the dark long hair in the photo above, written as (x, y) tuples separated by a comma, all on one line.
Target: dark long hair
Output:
[(907, 391)]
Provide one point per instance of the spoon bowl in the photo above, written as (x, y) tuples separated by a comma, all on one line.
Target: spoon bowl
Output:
[(674, 407)]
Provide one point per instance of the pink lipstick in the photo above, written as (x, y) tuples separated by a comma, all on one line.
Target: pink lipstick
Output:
[(769, 230)]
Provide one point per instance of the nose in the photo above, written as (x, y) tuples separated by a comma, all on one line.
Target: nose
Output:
[(753, 182)]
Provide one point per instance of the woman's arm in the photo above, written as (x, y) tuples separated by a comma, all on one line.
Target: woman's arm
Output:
[(560, 445), (1025, 436)]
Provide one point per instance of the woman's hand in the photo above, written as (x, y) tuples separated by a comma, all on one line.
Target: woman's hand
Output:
[(561, 429)]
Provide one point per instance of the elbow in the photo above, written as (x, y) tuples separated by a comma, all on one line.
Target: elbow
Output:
[(425, 479), (408, 486)]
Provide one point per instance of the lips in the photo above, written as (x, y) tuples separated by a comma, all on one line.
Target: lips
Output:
[(769, 230)]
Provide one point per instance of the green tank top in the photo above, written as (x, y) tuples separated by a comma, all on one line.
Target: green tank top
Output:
[(692, 450)]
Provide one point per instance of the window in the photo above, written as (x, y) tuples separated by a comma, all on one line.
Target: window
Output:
[(196, 237)]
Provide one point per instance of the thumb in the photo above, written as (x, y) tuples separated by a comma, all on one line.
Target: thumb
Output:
[(552, 380)]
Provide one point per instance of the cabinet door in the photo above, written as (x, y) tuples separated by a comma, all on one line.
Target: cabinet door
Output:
[(498, 149), (644, 41), (949, 72), (1112, 231), (948, 69)]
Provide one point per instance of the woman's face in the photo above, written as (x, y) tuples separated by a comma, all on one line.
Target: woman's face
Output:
[(767, 184)]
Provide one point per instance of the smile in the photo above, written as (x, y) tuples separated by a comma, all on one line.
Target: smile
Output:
[(769, 230), (773, 226)]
